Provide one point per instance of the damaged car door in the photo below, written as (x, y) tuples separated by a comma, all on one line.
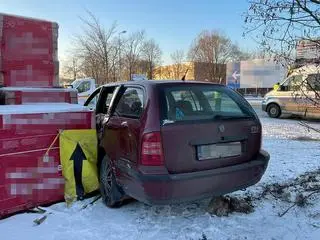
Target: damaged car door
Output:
[(122, 131)]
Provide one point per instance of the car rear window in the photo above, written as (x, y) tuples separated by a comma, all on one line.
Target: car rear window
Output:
[(202, 102)]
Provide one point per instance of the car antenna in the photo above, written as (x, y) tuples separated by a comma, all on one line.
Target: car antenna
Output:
[(184, 76)]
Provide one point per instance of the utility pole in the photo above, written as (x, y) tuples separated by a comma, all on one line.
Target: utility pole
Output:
[(119, 51)]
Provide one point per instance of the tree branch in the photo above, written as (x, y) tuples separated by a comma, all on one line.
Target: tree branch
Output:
[(293, 205), (306, 9)]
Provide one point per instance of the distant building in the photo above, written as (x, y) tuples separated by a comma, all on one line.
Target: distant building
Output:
[(195, 71)]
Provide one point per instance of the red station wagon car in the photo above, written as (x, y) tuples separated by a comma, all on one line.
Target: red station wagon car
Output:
[(171, 141)]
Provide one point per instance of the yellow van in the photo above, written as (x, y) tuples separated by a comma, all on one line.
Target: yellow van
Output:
[(299, 94)]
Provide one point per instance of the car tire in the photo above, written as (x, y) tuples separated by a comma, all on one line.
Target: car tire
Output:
[(274, 111), (110, 191)]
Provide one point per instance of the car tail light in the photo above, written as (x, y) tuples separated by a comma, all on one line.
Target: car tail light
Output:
[(151, 152)]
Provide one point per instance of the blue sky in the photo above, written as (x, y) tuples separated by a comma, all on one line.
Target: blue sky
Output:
[(172, 23)]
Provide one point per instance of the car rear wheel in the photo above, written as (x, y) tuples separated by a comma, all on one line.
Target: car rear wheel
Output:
[(110, 191), (274, 110)]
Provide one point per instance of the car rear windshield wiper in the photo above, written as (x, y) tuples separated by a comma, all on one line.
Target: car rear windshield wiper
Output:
[(225, 117)]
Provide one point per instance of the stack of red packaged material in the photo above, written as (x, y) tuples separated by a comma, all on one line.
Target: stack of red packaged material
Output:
[(28, 58), (28, 176), (28, 52), (15, 95), (32, 112)]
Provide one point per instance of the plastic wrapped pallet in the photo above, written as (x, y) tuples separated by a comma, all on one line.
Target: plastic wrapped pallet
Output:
[(28, 52), (15, 96), (30, 169)]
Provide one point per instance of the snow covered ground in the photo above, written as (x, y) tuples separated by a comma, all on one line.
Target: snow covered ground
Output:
[(290, 157)]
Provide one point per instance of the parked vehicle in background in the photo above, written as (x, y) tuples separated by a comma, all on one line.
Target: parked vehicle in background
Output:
[(85, 87), (168, 141), (298, 94)]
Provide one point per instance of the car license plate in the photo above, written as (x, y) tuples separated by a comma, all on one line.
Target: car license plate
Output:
[(219, 150)]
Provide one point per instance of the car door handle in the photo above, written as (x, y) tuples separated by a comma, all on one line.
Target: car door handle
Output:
[(124, 125)]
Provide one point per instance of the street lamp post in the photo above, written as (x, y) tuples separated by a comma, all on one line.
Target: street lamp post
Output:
[(119, 51)]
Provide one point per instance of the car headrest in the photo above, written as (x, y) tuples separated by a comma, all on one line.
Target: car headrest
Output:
[(185, 106)]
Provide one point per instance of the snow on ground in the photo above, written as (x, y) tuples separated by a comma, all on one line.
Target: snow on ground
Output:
[(254, 101), (288, 129), (289, 158)]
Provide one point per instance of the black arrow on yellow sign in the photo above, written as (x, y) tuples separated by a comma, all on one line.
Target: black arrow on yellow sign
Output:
[(78, 156)]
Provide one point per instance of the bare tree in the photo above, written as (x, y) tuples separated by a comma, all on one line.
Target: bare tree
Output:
[(151, 53), (258, 54), (101, 54), (213, 48), (72, 68), (133, 51), (166, 72), (279, 26), (142, 67), (95, 45), (92, 67), (178, 58)]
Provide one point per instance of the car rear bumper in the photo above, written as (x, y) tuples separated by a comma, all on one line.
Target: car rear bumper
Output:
[(172, 188)]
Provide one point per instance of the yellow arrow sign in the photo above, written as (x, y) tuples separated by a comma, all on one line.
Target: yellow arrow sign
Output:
[(78, 156)]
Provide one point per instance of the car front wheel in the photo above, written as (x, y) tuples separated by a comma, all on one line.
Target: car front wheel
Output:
[(274, 110), (110, 191)]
